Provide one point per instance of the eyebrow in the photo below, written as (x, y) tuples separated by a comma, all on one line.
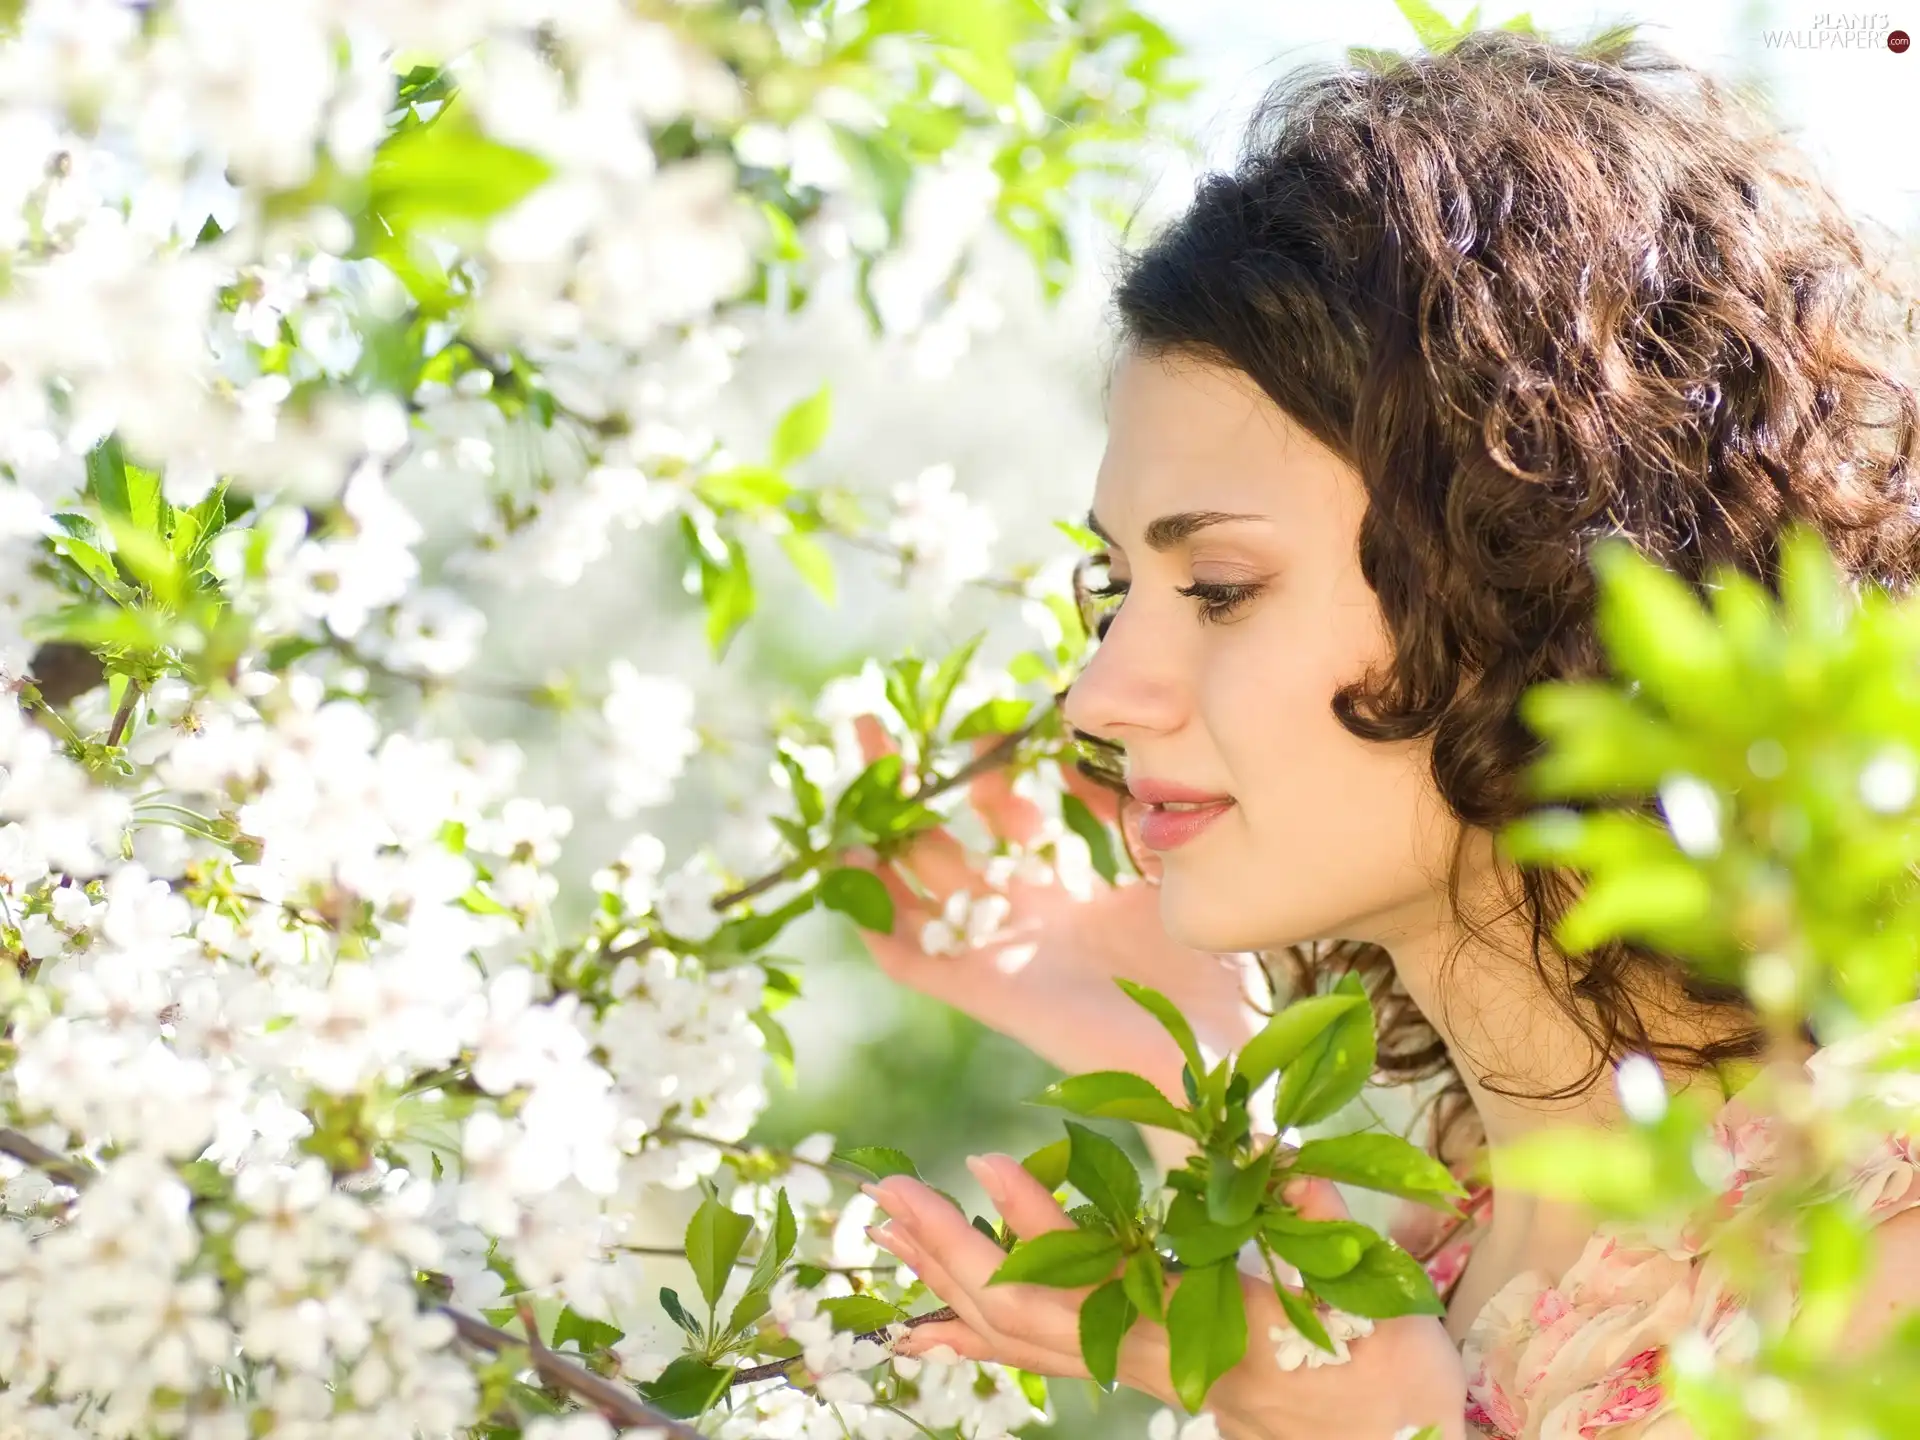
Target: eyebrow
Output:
[(1171, 530)]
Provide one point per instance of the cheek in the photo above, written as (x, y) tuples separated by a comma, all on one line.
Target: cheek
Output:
[(1332, 831)]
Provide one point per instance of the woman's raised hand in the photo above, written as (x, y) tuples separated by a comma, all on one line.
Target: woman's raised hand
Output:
[(1045, 974)]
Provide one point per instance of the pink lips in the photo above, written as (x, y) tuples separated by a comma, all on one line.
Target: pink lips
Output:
[(1163, 829)]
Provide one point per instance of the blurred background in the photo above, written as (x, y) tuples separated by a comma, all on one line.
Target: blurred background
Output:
[(1019, 415)]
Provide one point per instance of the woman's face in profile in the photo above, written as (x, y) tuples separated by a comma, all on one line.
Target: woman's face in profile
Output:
[(1208, 486)]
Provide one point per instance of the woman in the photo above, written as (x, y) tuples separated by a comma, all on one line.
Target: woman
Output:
[(1379, 392)]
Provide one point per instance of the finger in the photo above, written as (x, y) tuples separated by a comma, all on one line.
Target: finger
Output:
[(939, 863), (1315, 1199), (958, 1336), (1023, 1202), (873, 737), (938, 1230), (897, 1239), (1006, 814)]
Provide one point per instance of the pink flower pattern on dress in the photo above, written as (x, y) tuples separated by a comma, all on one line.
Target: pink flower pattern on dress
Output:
[(1580, 1358)]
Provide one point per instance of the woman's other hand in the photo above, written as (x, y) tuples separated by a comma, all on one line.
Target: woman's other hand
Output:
[(1405, 1375), (1045, 975)]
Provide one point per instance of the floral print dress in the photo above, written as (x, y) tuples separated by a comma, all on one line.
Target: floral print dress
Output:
[(1579, 1356)]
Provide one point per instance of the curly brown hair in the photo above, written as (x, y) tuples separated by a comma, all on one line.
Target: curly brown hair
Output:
[(1537, 293)]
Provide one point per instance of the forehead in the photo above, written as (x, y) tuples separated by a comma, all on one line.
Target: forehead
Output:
[(1186, 435)]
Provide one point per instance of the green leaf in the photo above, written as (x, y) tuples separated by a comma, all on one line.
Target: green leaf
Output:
[(1081, 536), (1209, 1242), (676, 1312), (752, 488), (1002, 716), (1433, 28), (860, 1313), (1318, 1247), (777, 1247), (727, 592), (714, 1237), (1657, 632), (812, 564), (1386, 1282), (1333, 1068), (1048, 1164), (1105, 1317), (751, 1307), (1168, 1014), (1289, 1033), (1145, 1279), (860, 895), (1101, 1171), (1066, 1258), (147, 557), (589, 1335), (879, 1161), (803, 427), (946, 676), (688, 1387), (1380, 1162), (1233, 1194), (1080, 819), (1115, 1095), (431, 176), (1302, 1316), (1206, 1330)]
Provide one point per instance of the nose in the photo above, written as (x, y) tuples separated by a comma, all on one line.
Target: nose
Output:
[(1131, 687)]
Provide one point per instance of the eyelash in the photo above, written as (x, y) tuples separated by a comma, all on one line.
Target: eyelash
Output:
[(1217, 601)]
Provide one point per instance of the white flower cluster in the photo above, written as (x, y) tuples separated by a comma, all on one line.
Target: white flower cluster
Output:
[(296, 1053), (1291, 1349)]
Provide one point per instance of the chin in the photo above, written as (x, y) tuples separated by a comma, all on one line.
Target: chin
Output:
[(1201, 918)]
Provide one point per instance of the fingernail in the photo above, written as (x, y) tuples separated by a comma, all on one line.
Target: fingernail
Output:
[(990, 1180), (893, 1200), (1295, 1191)]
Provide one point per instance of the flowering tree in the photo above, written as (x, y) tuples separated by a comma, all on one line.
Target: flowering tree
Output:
[(313, 1122)]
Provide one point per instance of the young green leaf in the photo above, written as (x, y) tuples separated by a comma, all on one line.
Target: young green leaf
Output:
[(1115, 1095), (860, 1313), (1145, 1279), (1302, 1316), (1080, 819), (1206, 1330), (1288, 1033), (811, 563), (1067, 1258), (676, 1312), (778, 1246), (1105, 1317), (688, 1387), (1376, 1161), (1317, 1247), (859, 895), (879, 1161), (1048, 1164), (803, 427), (1168, 1014), (750, 1308), (1233, 1194), (714, 1237), (589, 1335), (1387, 1282), (1333, 1068), (1101, 1171)]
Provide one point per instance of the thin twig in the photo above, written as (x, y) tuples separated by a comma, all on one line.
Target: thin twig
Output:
[(124, 714), (992, 758), (678, 1252), (671, 1134), (774, 1369)]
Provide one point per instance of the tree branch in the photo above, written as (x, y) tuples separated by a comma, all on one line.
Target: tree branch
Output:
[(619, 1404), (774, 1369), (996, 755)]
